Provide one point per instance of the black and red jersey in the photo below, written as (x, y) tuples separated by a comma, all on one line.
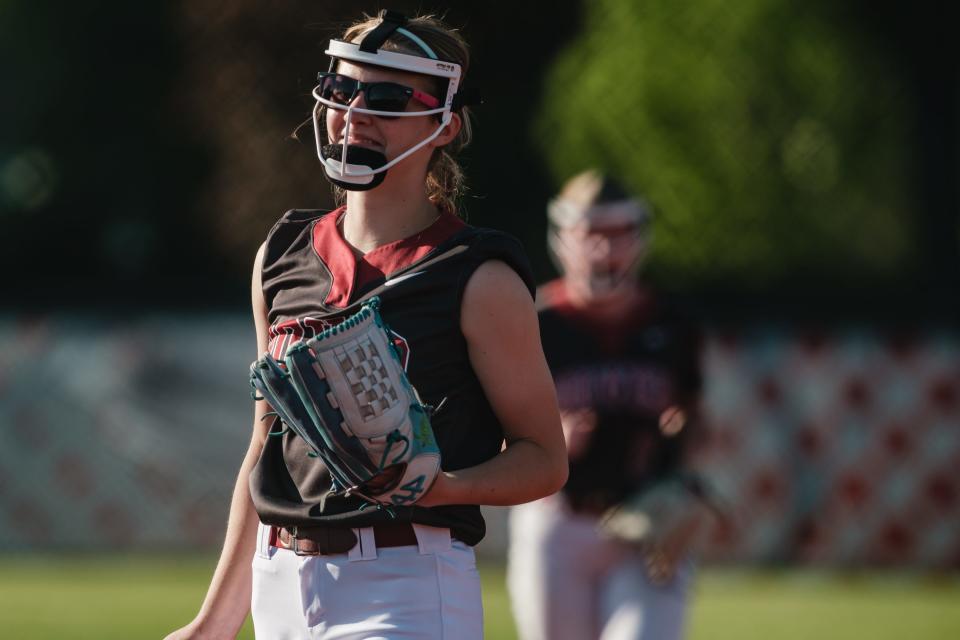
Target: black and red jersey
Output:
[(312, 279), (626, 372)]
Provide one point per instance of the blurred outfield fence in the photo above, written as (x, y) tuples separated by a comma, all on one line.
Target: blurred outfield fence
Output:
[(837, 447)]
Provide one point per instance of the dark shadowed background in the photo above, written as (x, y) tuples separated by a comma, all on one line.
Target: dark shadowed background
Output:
[(800, 156)]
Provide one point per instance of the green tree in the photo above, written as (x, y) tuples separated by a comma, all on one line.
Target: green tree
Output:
[(770, 135)]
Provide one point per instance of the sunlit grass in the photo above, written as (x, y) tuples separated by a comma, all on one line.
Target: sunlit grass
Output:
[(144, 596)]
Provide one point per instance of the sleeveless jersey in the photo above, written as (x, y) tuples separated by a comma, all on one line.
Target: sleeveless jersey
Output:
[(312, 280), (626, 374)]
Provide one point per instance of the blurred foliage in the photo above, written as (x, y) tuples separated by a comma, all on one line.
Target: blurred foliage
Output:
[(771, 136)]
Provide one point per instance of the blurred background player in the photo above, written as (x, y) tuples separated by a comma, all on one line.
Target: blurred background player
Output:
[(607, 556)]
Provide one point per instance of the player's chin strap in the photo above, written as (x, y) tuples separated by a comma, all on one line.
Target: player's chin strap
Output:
[(359, 168)]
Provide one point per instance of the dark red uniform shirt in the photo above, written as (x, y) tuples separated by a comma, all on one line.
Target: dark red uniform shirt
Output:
[(311, 280)]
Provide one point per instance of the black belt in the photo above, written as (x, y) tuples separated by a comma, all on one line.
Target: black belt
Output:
[(316, 541)]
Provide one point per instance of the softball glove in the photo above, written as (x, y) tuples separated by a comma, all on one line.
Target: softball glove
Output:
[(346, 394)]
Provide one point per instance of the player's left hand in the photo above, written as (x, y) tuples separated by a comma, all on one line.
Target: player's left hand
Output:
[(666, 522), (662, 556)]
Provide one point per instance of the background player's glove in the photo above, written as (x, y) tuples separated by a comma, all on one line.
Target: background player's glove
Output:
[(666, 521), (346, 394)]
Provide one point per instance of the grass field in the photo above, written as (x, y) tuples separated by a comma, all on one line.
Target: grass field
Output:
[(132, 597)]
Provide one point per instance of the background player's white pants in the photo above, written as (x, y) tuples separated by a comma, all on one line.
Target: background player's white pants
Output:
[(429, 591), (568, 583)]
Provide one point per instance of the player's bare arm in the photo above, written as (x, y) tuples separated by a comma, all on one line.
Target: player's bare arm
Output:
[(227, 602), (499, 322)]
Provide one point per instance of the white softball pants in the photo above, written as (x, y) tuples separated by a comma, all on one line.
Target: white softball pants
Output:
[(429, 591), (567, 582)]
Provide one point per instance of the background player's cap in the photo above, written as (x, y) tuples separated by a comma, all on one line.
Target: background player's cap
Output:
[(597, 197)]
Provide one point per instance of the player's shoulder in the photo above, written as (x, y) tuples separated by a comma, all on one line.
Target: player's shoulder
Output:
[(292, 223), (301, 216), (488, 239), (496, 301), (492, 245), (287, 234), (495, 280)]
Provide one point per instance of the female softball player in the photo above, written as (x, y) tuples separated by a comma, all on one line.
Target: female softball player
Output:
[(627, 379), (389, 117)]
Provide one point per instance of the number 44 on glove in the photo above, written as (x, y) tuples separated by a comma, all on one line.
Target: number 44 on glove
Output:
[(346, 394)]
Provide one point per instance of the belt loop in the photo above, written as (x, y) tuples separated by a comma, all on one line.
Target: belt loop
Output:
[(366, 547), (264, 538), (432, 539)]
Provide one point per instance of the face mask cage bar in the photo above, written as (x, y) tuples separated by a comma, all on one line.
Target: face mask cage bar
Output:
[(340, 50), (569, 258)]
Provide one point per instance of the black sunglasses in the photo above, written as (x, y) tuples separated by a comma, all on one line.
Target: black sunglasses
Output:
[(378, 96)]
